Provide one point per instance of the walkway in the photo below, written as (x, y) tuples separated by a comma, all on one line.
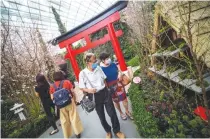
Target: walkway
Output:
[(93, 128)]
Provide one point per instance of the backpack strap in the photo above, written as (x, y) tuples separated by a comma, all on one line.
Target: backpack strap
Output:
[(89, 83), (61, 84), (54, 86)]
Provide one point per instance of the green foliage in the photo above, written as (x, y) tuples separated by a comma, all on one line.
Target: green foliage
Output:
[(171, 69), (205, 83), (159, 67), (193, 123), (61, 27), (136, 73), (146, 124), (171, 48), (154, 114), (160, 50), (180, 135), (32, 129), (6, 114), (164, 29), (180, 127), (125, 44), (184, 125), (127, 49), (162, 95), (80, 58), (71, 76), (205, 131), (171, 131), (185, 118), (98, 34), (185, 75), (133, 62), (8, 127), (181, 45), (176, 45)]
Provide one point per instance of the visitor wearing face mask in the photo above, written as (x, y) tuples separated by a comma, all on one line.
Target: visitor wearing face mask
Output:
[(96, 85), (113, 82)]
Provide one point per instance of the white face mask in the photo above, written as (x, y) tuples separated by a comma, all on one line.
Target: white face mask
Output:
[(108, 61)]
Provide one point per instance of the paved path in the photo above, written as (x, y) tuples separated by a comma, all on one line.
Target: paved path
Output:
[(93, 128)]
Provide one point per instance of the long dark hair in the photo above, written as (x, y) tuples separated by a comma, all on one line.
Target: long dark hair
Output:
[(41, 80)]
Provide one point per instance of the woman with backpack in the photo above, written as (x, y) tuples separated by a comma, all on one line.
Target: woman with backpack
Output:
[(62, 95), (42, 91), (64, 68)]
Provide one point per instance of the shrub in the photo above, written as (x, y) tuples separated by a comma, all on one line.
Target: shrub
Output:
[(32, 129), (7, 128), (146, 124), (133, 62), (6, 114), (136, 73), (157, 114)]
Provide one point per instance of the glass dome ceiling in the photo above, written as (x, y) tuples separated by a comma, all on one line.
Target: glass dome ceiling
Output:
[(32, 14)]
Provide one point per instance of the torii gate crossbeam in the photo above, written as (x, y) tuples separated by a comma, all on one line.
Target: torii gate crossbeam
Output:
[(106, 20)]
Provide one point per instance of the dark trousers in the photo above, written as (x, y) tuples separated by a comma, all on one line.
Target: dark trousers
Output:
[(103, 98), (47, 108), (57, 113)]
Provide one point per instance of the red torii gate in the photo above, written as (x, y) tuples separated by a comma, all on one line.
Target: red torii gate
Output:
[(85, 33)]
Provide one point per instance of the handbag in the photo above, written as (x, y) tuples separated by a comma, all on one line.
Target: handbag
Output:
[(88, 104)]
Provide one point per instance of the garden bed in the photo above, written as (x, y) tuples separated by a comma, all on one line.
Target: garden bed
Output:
[(32, 129), (158, 115)]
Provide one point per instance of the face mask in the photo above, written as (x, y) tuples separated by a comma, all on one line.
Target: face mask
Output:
[(94, 66), (108, 61)]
